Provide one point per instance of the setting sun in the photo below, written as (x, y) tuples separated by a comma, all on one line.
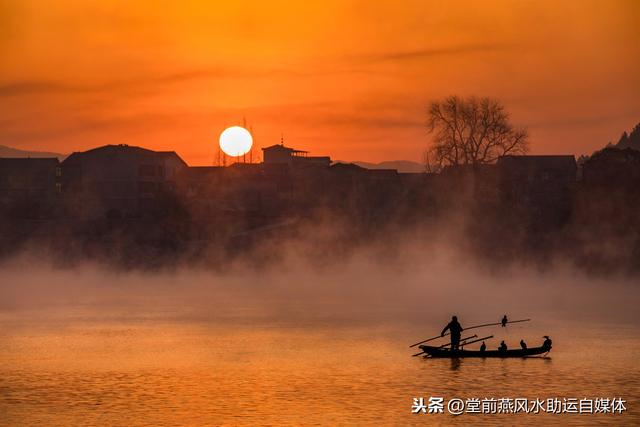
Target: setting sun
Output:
[(324, 212), (235, 141)]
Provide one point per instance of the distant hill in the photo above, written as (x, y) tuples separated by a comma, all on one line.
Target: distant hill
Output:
[(405, 166), (14, 152), (631, 140)]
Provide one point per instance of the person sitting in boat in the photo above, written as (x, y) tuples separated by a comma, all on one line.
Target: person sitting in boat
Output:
[(504, 321), (547, 343), (523, 344), (503, 346), (483, 347), (455, 329)]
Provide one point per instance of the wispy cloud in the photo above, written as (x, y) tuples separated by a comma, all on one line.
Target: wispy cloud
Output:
[(30, 87), (353, 64), (364, 121), (140, 84), (582, 121), (96, 121), (428, 53)]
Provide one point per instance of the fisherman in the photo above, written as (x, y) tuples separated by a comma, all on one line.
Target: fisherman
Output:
[(547, 343), (483, 347), (455, 329), (504, 321), (523, 344), (503, 346)]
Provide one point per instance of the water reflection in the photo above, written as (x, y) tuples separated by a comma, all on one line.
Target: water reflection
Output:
[(193, 374)]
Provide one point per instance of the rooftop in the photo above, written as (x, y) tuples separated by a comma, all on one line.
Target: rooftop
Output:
[(122, 149), (548, 161), (281, 147)]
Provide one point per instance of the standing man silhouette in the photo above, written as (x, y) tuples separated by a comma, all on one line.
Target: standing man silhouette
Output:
[(455, 329), (504, 321)]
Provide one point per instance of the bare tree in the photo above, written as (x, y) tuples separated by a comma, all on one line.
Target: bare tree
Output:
[(471, 131)]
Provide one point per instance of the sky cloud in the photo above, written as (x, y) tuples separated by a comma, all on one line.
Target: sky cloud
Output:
[(328, 73), (20, 88), (430, 53)]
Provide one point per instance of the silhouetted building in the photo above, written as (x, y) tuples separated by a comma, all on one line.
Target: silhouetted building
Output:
[(29, 187), (116, 197), (605, 213), (459, 183), (538, 185), (248, 193), (285, 155), (120, 181), (537, 173), (612, 167), (196, 180)]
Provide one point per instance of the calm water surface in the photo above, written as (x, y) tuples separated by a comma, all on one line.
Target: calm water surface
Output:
[(93, 370)]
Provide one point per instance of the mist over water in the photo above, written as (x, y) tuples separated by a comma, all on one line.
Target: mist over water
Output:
[(302, 331), (383, 282)]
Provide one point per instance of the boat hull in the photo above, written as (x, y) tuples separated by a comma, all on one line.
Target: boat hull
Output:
[(446, 353)]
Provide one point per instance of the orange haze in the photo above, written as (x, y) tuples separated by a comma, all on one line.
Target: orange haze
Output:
[(346, 78)]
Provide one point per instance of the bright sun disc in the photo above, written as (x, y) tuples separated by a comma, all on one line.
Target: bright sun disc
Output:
[(235, 141)]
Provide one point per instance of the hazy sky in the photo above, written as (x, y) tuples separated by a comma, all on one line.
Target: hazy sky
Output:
[(351, 79)]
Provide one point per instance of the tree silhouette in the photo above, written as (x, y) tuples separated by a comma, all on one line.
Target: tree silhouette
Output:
[(471, 131), (631, 140)]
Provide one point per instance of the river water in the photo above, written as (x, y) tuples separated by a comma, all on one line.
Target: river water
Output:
[(103, 349), (99, 371)]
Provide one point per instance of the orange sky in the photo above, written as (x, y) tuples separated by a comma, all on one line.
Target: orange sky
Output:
[(350, 79)]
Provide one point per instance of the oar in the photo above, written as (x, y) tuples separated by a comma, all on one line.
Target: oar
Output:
[(466, 329), (479, 339), (461, 341), (448, 344)]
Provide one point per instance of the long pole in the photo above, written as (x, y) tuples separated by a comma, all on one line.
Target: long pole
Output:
[(466, 329), (462, 341), (478, 340)]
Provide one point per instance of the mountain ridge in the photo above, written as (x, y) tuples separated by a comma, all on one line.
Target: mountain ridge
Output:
[(10, 152)]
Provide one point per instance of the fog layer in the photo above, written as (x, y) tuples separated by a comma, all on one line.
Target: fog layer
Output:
[(316, 281)]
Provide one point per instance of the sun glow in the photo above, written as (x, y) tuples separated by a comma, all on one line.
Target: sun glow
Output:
[(235, 141)]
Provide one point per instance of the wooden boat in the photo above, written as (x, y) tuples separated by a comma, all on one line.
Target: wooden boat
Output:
[(447, 353)]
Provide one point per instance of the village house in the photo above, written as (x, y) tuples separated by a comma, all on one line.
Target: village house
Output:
[(538, 185), (612, 166), (122, 181), (279, 154), (29, 187), (118, 181)]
